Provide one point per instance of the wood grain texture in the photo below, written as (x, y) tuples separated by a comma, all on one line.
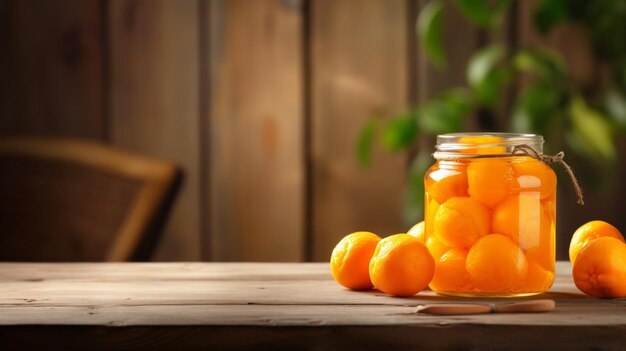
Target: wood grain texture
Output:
[(197, 284), (154, 101), (51, 67), (252, 306), (256, 130), (359, 65)]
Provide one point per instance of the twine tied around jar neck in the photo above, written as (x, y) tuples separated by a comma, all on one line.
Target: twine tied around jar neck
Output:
[(522, 150)]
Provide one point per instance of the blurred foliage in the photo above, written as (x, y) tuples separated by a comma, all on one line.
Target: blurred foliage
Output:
[(580, 117)]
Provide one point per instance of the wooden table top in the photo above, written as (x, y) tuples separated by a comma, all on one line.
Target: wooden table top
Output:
[(267, 306)]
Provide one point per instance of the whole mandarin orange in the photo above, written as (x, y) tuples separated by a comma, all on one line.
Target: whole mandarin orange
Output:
[(496, 264), (523, 218), (460, 221), (588, 232), (445, 182), (450, 274), (435, 247), (401, 265), (349, 262), (494, 143), (417, 231), (534, 175), (600, 268), (490, 181)]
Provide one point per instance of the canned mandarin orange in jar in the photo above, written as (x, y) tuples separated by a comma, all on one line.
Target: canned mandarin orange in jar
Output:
[(490, 215)]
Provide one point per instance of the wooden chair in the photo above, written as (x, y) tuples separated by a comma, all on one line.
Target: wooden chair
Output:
[(76, 200)]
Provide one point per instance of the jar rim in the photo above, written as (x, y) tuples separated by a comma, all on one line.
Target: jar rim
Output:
[(451, 142)]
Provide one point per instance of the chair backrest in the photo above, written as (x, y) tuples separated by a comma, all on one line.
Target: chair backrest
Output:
[(77, 200)]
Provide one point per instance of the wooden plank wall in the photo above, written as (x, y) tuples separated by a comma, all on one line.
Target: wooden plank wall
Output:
[(359, 64), (51, 82), (256, 130), (154, 102), (259, 101)]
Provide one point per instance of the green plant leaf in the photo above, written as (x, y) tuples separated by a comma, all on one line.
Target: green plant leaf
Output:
[(400, 132), (483, 62), (590, 170), (620, 75), (430, 32), (615, 104), (535, 109), (592, 129), (545, 64), (550, 13), (414, 193), (365, 141), (604, 22), (445, 113), (459, 100), (485, 76), (484, 13), (578, 146)]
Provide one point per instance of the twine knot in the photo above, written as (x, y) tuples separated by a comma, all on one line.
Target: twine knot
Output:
[(524, 150)]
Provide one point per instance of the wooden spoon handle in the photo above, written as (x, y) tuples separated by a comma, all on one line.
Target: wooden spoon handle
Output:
[(448, 309), (533, 306), (445, 309)]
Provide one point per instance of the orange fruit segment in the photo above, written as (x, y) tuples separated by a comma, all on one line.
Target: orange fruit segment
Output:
[(349, 262), (538, 278), (589, 232), (534, 175), (436, 248), (544, 254), (401, 265), (482, 140), (450, 274), (460, 221), (496, 264), (417, 231), (431, 211), (443, 183), (490, 181), (523, 218), (600, 268), (549, 205)]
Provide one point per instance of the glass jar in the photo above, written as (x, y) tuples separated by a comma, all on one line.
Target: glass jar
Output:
[(490, 220)]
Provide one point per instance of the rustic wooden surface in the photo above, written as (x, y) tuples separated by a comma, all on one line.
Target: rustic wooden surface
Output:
[(272, 305)]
